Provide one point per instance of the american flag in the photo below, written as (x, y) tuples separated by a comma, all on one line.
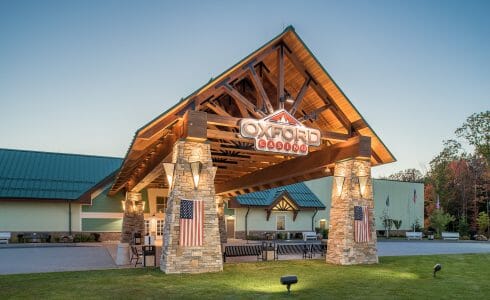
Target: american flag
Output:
[(361, 224), (191, 222)]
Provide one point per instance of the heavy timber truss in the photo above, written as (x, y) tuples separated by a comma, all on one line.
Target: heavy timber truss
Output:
[(254, 88)]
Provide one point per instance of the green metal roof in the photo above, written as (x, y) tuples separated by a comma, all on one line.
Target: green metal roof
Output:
[(46, 175), (299, 193)]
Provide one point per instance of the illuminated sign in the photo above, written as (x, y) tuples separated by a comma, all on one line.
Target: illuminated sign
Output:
[(280, 132)]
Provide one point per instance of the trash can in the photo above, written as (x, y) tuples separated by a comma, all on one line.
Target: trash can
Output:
[(268, 251)]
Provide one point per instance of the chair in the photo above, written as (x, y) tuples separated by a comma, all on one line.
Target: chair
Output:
[(135, 255)]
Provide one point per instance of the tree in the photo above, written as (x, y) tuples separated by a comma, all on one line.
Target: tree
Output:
[(483, 222), (409, 175), (439, 220), (476, 131)]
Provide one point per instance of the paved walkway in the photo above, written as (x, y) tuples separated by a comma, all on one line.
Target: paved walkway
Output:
[(55, 258)]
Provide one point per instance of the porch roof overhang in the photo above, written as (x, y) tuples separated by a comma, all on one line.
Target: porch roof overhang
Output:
[(254, 87)]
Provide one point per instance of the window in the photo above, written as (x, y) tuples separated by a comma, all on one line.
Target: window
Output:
[(161, 204), (159, 227), (280, 222)]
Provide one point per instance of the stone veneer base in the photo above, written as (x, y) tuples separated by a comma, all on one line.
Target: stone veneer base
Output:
[(342, 249), (206, 258)]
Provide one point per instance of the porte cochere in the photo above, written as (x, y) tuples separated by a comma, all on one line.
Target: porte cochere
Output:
[(275, 118)]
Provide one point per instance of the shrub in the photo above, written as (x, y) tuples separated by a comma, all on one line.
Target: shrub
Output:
[(397, 223), (95, 236), (482, 221), (463, 227), (439, 220)]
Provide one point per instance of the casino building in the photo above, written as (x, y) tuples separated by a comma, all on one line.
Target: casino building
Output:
[(269, 123)]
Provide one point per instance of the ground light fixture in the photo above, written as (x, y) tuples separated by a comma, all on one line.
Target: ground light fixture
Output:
[(196, 167), (288, 280), (437, 268)]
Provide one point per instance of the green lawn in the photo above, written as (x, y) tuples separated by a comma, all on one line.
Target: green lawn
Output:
[(462, 277)]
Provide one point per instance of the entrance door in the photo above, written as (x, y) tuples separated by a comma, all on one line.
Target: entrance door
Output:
[(230, 228)]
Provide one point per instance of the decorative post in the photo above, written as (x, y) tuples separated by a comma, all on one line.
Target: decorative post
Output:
[(133, 221), (191, 230), (352, 230)]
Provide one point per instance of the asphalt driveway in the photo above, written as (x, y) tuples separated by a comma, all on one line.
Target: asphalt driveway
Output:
[(54, 259)]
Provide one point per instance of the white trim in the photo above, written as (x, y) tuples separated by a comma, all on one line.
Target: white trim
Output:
[(99, 215)]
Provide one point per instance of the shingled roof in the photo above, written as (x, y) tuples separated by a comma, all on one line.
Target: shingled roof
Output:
[(33, 175), (298, 192)]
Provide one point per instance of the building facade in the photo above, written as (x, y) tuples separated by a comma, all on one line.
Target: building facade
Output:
[(71, 196)]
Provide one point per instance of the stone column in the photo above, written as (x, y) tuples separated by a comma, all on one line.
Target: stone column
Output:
[(133, 221), (342, 249), (206, 258), (220, 206)]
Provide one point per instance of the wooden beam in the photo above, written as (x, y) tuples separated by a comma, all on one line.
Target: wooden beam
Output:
[(261, 91), (195, 125), (227, 135), (356, 147), (300, 96), (319, 90), (141, 179), (235, 74), (223, 120), (280, 79), (158, 127), (241, 100), (313, 114), (217, 109), (335, 136), (152, 175)]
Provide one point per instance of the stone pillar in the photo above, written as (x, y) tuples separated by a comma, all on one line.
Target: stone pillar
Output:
[(133, 221), (220, 205), (342, 249), (206, 258)]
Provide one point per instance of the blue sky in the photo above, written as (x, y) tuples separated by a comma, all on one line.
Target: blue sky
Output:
[(83, 76)]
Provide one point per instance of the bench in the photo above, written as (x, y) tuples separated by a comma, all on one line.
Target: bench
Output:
[(5, 237), (242, 250), (411, 235), (309, 235), (307, 250), (450, 235)]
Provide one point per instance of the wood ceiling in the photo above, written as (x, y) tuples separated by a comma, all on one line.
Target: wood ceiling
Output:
[(256, 86)]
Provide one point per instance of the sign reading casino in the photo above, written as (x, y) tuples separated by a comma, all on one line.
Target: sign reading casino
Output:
[(280, 132)]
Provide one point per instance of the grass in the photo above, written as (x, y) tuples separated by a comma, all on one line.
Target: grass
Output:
[(462, 277)]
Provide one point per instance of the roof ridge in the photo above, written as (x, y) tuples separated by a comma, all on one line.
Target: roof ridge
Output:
[(60, 153)]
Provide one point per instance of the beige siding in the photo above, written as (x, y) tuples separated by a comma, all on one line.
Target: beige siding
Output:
[(38, 216), (401, 207)]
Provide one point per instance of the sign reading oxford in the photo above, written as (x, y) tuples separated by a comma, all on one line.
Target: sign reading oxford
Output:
[(280, 132)]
